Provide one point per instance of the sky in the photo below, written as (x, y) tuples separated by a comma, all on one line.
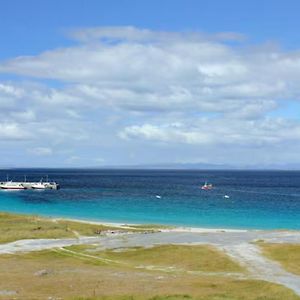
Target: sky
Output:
[(118, 83)]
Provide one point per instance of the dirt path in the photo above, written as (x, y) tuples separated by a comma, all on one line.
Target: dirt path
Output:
[(260, 267)]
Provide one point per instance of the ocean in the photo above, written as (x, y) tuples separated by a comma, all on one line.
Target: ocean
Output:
[(257, 199)]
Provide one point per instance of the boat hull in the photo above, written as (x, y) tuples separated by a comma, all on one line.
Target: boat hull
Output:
[(10, 185), (12, 188), (38, 188)]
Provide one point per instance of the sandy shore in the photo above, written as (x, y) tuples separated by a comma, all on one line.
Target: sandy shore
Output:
[(164, 228)]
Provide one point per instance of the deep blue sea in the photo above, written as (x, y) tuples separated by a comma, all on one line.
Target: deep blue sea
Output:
[(258, 199)]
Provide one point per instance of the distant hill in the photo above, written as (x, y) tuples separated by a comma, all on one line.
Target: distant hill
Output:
[(183, 166), (176, 166), (207, 166)]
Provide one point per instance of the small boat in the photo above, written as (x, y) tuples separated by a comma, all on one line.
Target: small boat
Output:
[(206, 186), (39, 185), (26, 185), (10, 185), (226, 197), (43, 185)]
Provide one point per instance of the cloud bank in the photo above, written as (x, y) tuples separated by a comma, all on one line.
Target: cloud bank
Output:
[(123, 88)]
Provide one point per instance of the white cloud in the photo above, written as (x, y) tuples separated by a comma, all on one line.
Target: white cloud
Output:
[(128, 85), (10, 90), (217, 132), (173, 72), (41, 151), (27, 115), (13, 131), (99, 160), (72, 159)]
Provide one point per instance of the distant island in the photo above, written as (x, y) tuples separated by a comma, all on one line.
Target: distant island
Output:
[(173, 166)]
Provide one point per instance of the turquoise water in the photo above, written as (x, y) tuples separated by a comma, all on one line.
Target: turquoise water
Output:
[(258, 199)]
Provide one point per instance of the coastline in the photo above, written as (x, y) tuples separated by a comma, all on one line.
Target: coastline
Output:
[(160, 227), (250, 207), (74, 237)]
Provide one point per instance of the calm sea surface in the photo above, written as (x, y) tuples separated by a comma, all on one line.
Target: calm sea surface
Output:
[(258, 199)]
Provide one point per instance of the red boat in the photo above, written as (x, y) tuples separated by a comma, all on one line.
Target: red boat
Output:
[(206, 186)]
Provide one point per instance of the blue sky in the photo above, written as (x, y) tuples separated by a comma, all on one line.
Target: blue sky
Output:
[(93, 83), (29, 27)]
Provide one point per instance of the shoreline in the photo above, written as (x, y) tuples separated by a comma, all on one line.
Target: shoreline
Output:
[(173, 228), (161, 227), (242, 246)]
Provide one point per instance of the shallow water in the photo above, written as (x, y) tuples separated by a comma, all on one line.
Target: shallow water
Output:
[(258, 199)]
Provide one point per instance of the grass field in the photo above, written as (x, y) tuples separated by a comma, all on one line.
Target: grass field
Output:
[(166, 272), (17, 227), (78, 274), (174, 258), (288, 255)]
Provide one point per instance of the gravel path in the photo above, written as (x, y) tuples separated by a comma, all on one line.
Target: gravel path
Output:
[(261, 267)]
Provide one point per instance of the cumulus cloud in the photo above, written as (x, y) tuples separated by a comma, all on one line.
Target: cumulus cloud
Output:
[(170, 87), (220, 131), (12, 131), (171, 70)]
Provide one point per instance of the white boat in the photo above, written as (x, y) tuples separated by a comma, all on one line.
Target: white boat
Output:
[(39, 185), (10, 185), (43, 185)]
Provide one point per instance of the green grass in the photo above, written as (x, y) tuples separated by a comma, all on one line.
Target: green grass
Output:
[(77, 278), (17, 227), (167, 297), (217, 289), (201, 258), (168, 272), (288, 255)]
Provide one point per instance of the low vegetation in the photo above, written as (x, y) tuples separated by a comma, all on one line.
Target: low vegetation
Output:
[(17, 227), (202, 258), (59, 274), (87, 272), (288, 255)]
